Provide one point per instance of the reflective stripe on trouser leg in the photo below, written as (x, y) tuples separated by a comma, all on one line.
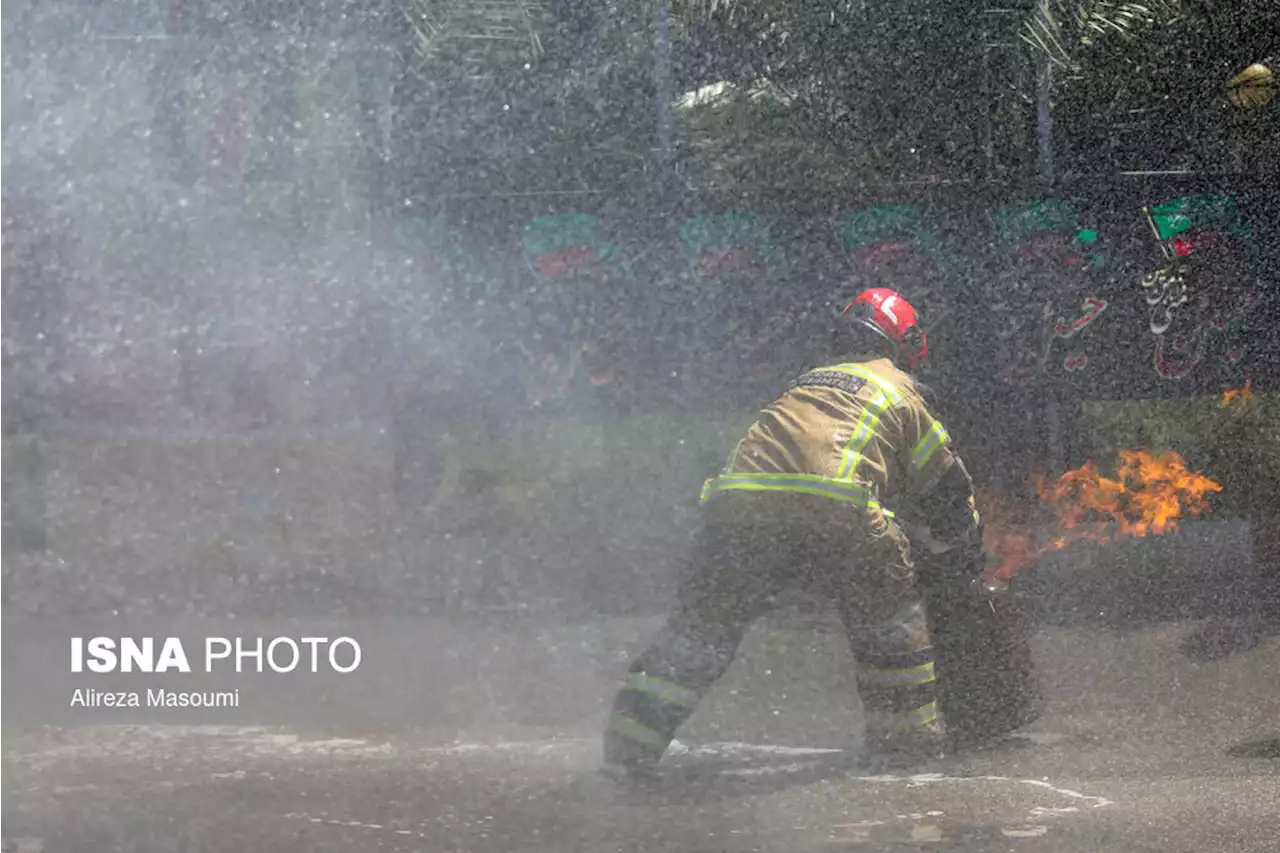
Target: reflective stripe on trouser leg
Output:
[(725, 585), (896, 677), (899, 694), (646, 713), (897, 683)]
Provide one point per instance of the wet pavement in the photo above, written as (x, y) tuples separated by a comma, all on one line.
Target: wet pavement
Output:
[(1144, 747)]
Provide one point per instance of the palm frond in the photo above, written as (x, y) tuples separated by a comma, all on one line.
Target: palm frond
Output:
[(690, 12), (702, 9), (473, 27), (1062, 30)]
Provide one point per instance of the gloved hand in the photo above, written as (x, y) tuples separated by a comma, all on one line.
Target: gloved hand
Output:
[(922, 538), (924, 541), (938, 561)]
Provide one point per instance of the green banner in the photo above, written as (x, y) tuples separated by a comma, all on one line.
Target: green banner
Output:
[(1047, 228), (561, 243), (876, 224), (1018, 221), (1190, 213), (869, 233), (719, 234)]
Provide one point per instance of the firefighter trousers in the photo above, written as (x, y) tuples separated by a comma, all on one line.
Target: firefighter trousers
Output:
[(751, 548)]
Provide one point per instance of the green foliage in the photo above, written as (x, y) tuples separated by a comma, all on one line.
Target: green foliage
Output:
[(1153, 424), (1066, 30), (755, 136), (471, 30)]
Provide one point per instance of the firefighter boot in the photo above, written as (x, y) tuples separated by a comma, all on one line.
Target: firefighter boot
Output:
[(646, 713), (900, 703), (627, 758), (898, 687)]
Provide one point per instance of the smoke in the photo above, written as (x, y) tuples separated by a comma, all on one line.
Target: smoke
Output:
[(228, 363), (216, 266)]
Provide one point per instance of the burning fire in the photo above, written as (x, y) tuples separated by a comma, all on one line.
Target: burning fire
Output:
[(1238, 397), (1148, 494), (1010, 548)]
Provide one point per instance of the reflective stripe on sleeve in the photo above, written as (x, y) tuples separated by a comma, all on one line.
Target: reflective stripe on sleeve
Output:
[(928, 445)]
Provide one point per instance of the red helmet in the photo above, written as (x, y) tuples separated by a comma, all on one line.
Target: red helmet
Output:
[(893, 318)]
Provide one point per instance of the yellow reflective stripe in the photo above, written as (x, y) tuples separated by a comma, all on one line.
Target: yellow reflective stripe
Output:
[(636, 731), (870, 418), (928, 445), (922, 716), (863, 430), (906, 676), (667, 691), (843, 487), (842, 490)]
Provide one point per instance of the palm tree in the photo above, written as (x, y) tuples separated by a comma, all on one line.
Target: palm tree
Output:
[(878, 93), (1165, 84), (1066, 32), (506, 95), (475, 30)]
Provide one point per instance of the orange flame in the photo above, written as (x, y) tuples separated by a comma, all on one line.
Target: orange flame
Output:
[(1012, 549), (1239, 398), (1147, 495)]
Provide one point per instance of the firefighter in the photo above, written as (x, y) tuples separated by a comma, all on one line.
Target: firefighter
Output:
[(817, 495)]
